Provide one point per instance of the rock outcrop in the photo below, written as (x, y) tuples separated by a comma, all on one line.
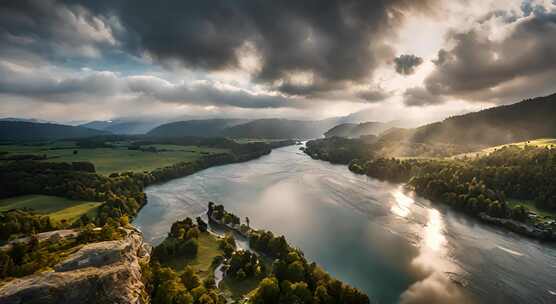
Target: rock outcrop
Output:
[(103, 272)]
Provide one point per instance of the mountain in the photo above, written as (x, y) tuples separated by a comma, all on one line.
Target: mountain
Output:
[(200, 128), (272, 128), (30, 131), (23, 119), (280, 129), (350, 130), (367, 115), (123, 127), (522, 121)]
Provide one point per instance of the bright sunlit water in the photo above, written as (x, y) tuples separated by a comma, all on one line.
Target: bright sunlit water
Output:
[(396, 247)]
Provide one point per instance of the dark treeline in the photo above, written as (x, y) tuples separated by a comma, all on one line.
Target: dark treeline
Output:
[(182, 241), (343, 150)]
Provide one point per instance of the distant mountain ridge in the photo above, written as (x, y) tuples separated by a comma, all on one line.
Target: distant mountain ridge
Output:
[(275, 128), (31, 131), (351, 130), (200, 128), (271, 128), (123, 127), (23, 119), (525, 120)]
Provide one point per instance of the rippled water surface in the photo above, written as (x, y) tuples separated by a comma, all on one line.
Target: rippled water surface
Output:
[(396, 247)]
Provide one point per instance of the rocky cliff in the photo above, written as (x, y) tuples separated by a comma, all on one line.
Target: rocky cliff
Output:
[(104, 272)]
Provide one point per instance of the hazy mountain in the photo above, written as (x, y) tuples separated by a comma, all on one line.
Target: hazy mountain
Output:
[(126, 127), (350, 130), (202, 128), (23, 131), (367, 115), (23, 119), (281, 128), (529, 119)]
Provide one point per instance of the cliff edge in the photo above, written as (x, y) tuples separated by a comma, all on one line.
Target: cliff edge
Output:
[(103, 272)]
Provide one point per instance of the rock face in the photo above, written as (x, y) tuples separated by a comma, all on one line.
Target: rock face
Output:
[(104, 272)]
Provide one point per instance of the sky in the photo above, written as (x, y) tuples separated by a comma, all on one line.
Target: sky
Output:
[(83, 60)]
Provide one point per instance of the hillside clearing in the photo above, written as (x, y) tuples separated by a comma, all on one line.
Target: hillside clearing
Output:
[(202, 264), (58, 208)]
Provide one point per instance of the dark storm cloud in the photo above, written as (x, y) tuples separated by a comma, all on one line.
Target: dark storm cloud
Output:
[(47, 30), (374, 95), (480, 68), (420, 97), (339, 41), (406, 64)]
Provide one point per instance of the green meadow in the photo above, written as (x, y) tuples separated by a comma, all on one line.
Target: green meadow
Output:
[(116, 159), (541, 142), (58, 208), (202, 264)]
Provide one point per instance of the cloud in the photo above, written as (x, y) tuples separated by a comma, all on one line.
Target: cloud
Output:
[(80, 87), (421, 97), (406, 64), (374, 95), (32, 30), (207, 94), (435, 289), (337, 41), (502, 58)]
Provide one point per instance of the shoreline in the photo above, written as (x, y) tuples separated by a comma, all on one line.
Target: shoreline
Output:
[(508, 225)]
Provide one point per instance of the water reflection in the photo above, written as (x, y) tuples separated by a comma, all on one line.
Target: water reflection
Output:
[(402, 203), (433, 237)]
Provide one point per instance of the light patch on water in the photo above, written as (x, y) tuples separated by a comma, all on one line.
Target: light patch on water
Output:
[(402, 203), (510, 251), (433, 264), (552, 292), (434, 235)]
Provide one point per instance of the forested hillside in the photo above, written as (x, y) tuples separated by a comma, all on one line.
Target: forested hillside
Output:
[(529, 119), (349, 130), (29, 131), (122, 127), (280, 128), (201, 128)]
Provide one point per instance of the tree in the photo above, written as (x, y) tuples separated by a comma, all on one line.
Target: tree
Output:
[(268, 292), (189, 279)]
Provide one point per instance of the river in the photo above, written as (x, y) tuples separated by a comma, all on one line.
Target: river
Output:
[(395, 246)]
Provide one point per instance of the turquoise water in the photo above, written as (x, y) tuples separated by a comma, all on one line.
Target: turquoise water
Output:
[(396, 247)]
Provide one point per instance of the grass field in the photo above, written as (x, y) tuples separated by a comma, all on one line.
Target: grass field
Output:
[(208, 249), (58, 208), (541, 142), (531, 206), (118, 159)]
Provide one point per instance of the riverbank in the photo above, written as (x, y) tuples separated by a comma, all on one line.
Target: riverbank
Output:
[(441, 181)]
